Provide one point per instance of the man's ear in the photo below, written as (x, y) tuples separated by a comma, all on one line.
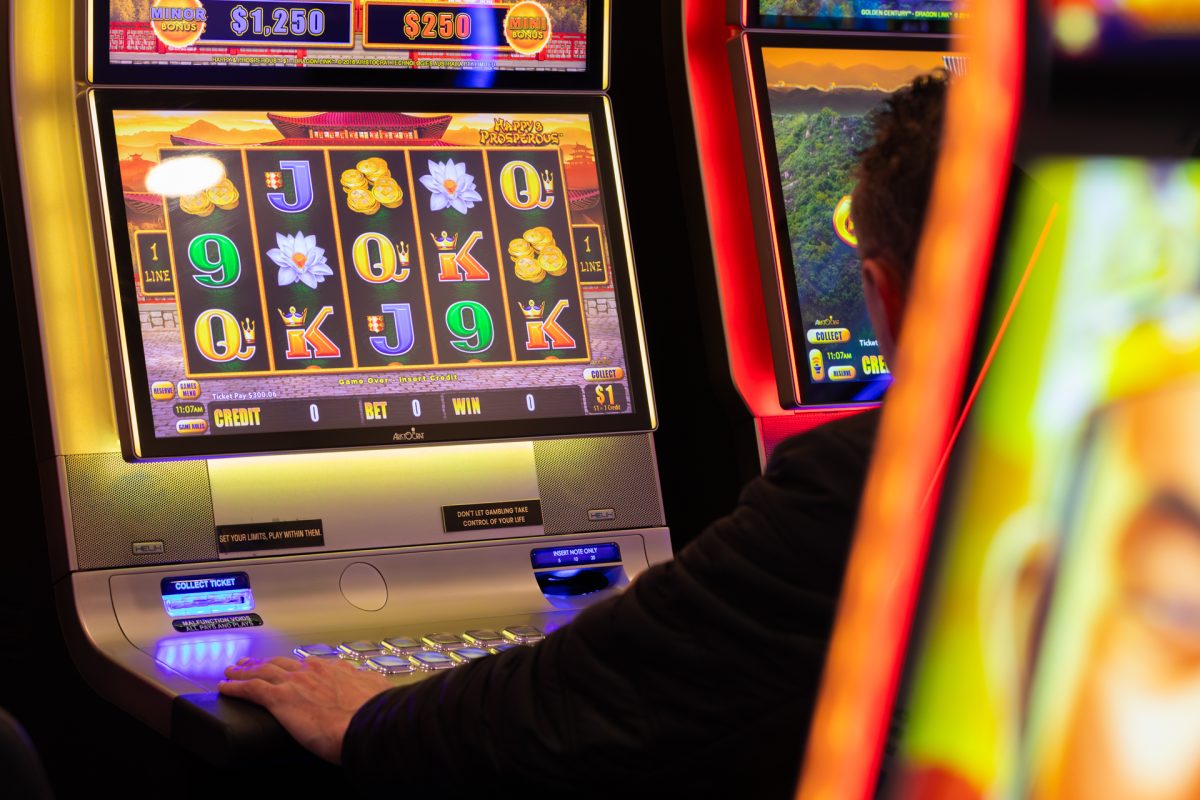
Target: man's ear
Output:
[(886, 291)]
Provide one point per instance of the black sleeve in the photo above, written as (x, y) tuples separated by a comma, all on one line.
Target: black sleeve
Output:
[(702, 673)]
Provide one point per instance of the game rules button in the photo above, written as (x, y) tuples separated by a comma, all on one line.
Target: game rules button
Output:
[(828, 335), (189, 427)]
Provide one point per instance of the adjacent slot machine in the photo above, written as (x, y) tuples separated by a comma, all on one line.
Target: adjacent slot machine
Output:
[(338, 336), (1030, 629), (779, 105)]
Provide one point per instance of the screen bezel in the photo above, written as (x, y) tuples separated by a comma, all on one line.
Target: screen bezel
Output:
[(101, 70), (796, 387), (125, 330), (752, 17)]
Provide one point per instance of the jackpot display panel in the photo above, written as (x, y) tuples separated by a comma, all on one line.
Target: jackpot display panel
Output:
[(912, 16), (811, 116), (335, 277), (519, 44)]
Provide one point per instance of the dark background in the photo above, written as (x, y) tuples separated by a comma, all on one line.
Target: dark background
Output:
[(704, 449)]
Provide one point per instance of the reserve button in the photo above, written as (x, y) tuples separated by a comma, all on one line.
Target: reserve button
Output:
[(189, 390), (189, 426), (842, 373), (603, 374), (828, 335), (162, 390)]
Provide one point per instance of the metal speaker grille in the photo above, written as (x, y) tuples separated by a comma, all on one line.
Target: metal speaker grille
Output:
[(115, 504), (576, 476)]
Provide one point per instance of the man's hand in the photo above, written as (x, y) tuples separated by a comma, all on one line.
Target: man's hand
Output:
[(314, 700)]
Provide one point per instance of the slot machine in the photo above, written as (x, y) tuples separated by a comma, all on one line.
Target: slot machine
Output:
[(778, 98), (1021, 614), (337, 328)]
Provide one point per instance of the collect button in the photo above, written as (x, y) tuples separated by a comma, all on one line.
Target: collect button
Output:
[(828, 336), (843, 373), (601, 374)]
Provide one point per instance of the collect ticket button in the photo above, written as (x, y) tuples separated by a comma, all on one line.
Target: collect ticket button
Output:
[(828, 335), (816, 364), (602, 374), (842, 373)]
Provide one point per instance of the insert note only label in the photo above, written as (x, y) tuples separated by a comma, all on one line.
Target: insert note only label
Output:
[(491, 516), (284, 535)]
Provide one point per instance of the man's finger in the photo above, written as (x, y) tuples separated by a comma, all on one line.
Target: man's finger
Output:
[(272, 673), (286, 664), (255, 690)]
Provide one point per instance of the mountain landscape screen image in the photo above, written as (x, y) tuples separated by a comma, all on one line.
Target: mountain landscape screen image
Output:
[(820, 103)]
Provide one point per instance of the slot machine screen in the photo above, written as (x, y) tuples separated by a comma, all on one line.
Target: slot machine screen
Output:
[(1057, 650), (813, 108), (382, 43), (346, 272), (909, 16)]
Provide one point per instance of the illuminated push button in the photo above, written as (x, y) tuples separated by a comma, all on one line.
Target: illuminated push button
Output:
[(391, 665), (162, 390), (469, 654), (359, 651), (188, 390), (402, 645), (842, 373), (603, 374), (191, 426), (429, 661), (828, 335), (816, 364), (500, 648), (483, 638), (523, 634), (443, 641), (315, 651)]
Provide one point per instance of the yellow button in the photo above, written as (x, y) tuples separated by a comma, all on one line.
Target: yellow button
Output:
[(188, 426), (603, 374), (162, 390), (828, 335), (189, 390), (816, 364), (842, 373)]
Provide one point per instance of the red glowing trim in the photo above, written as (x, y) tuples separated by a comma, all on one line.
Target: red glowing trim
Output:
[(987, 362), (879, 596), (727, 200)]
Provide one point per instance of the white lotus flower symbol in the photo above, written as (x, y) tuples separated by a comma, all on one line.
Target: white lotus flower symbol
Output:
[(299, 259), (450, 185)]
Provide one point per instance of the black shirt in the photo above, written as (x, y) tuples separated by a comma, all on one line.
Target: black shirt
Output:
[(700, 677)]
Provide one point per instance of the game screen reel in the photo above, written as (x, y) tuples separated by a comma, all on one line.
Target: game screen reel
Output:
[(318, 271)]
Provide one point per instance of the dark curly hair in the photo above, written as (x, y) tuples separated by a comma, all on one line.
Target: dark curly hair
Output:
[(895, 173)]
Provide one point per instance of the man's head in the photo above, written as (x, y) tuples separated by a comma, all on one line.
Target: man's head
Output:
[(895, 179)]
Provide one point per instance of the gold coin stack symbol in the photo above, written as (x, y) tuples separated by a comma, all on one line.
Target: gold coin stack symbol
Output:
[(370, 185), (224, 195), (535, 255), (198, 204)]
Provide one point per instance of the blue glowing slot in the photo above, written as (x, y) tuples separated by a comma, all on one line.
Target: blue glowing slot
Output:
[(577, 555), (207, 595)]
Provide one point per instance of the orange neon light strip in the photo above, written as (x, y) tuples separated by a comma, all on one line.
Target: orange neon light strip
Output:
[(862, 671), (987, 362)]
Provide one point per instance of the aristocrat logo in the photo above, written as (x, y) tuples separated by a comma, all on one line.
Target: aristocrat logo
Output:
[(410, 435)]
